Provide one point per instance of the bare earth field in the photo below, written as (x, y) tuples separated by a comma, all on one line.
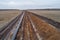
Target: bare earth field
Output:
[(46, 31), (51, 14), (7, 16)]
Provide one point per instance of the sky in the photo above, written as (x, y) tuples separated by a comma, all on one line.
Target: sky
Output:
[(29, 4)]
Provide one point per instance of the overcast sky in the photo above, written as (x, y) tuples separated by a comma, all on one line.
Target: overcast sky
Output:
[(29, 4)]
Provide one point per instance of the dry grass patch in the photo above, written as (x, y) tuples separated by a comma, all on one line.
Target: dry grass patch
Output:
[(7, 16), (54, 15)]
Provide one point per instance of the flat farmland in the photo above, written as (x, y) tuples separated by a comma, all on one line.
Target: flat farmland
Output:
[(51, 14), (7, 16)]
